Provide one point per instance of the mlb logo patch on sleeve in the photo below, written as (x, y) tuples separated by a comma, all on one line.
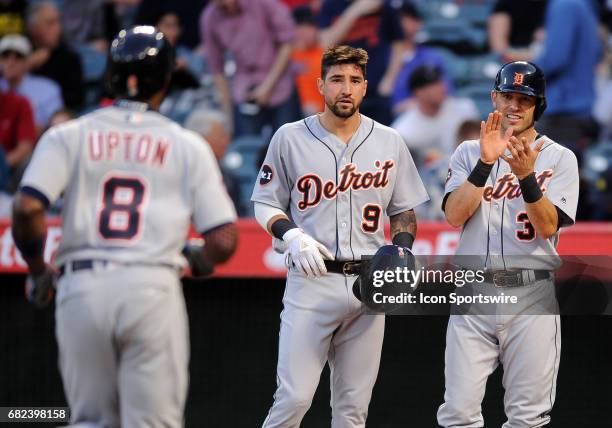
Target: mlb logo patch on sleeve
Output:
[(266, 175)]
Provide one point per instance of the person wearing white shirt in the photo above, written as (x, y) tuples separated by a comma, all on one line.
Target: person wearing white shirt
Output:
[(430, 126)]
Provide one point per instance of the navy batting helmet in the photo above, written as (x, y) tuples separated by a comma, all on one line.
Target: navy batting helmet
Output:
[(141, 51), (382, 293), (525, 78)]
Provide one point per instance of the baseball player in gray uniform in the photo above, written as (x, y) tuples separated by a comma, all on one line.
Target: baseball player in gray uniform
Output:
[(132, 182), (511, 191), (324, 187)]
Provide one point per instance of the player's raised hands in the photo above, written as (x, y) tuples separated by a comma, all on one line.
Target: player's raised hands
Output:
[(522, 162), (492, 141)]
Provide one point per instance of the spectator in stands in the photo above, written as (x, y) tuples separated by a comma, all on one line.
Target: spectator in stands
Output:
[(434, 173), (60, 116), (188, 12), (213, 127), (307, 60), (83, 22), (468, 130), (430, 126), (167, 21), (409, 57), (514, 26), (12, 17), (374, 26), (571, 52), (52, 58), (294, 4), (259, 35), (191, 86), (44, 94), (6, 199), (17, 134)]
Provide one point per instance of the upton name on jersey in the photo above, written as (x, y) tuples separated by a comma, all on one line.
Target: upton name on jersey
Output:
[(113, 145), (120, 170)]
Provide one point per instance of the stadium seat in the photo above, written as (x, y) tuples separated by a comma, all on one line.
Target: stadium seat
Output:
[(242, 156), (93, 64), (242, 159), (457, 35), (482, 68), (456, 65), (476, 13)]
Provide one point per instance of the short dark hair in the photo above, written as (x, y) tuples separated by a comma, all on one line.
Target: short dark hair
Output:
[(343, 54), (408, 8), (302, 15), (423, 76)]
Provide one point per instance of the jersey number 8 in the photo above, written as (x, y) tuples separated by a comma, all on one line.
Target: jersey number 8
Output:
[(120, 216)]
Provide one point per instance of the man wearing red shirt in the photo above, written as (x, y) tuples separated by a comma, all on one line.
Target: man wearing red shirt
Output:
[(17, 131)]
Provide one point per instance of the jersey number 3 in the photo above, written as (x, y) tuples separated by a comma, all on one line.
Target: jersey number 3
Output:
[(528, 233), (122, 200)]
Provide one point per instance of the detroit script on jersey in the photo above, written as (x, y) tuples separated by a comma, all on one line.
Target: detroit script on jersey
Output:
[(500, 229), (312, 187), (339, 192), (507, 186)]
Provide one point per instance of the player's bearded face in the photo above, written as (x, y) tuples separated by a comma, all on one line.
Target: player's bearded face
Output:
[(517, 110), (343, 89)]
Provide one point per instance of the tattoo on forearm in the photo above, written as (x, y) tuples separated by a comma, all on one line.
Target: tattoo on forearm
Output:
[(404, 222)]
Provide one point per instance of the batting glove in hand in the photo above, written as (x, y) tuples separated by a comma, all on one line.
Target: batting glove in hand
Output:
[(306, 253), (40, 289), (200, 267)]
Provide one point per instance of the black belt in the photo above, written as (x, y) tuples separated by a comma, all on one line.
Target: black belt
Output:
[(505, 278), (77, 265), (347, 268)]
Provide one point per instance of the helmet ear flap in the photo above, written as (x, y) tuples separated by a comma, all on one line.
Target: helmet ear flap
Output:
[(539, 110)]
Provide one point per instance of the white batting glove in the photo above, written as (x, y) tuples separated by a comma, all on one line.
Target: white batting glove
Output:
[(306, 253)]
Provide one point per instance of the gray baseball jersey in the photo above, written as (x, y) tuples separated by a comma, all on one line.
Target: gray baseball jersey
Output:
[(500, 230), (525, 337), (133, 181), (339, 193)]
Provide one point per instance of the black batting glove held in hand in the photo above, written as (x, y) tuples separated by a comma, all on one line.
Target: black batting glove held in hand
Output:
[(40, 289), (200, 266)]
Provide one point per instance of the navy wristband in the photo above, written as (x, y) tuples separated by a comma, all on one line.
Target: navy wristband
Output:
[(530, 189), (281, 226), (403, 239), (480, 173)]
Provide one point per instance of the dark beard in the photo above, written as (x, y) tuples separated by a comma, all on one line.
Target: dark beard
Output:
[(344, 114)]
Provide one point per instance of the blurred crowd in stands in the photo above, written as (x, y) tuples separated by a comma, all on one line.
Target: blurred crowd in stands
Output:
[(245, 67)]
